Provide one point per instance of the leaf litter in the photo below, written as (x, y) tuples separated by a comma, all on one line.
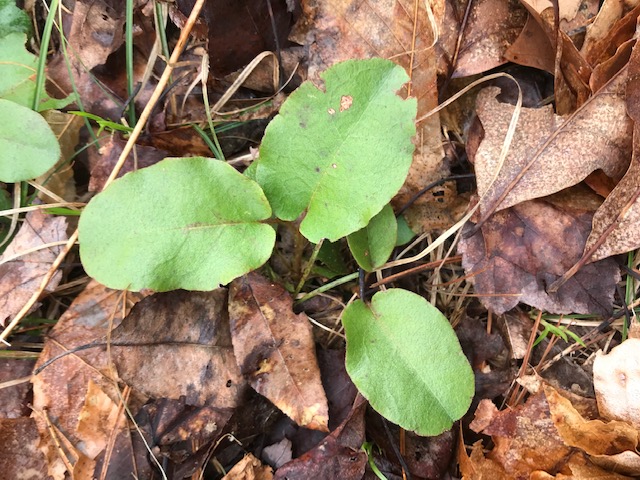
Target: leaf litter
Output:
[(159, 361)]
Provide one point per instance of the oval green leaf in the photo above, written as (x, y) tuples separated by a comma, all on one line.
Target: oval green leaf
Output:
[(191, 223), (405, 358), (372, 245), (340, 154), (28, 146)]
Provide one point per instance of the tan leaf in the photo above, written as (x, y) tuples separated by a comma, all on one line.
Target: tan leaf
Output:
[(61, 388), (178, 344), (595, 437), (616, 379), (21, 274), (275, 350), (525, 438), (249, 468), (549, 153)]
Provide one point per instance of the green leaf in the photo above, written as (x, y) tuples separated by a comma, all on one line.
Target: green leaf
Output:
[(372, 245), (341, 154), (405, 358), (28, 146), (405, 234), (13, 19), (17, 70), (191, 223)]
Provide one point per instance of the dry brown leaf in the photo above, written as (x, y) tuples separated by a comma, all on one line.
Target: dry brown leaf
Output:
[(249, 468), (616, 379), (20, 457), (525, 437), (178, 344), (400, 30), (610, 12), (594, 437), (491, 27), (61, 388), (99, 420), (275, 350), (339, 455), (616, 222), (520, 251), (548, 153), (476, 466), (22, 274)]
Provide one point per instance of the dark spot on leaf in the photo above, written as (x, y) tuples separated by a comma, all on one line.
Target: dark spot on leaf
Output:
[(303, 125), (317, 169)]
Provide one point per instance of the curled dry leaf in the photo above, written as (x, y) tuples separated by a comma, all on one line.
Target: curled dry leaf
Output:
[(594, 437), (549, 153), (275, 350), (178, 344), (22, 274), (526, 440), (518, 252)]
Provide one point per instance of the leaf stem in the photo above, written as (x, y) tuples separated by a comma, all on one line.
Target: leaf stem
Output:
[(326, 287), (308, 267)]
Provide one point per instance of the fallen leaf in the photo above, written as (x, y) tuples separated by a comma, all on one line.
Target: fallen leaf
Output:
[(548, 153), (249, 468), (338, 456), (61, 388), (15, 397), (525, 437), (102, 162), (616, 378), (100, 418), (275, 350), (594, 437), (178, 344), (21, 459), (476, 466), (21, 273), (491, 27), (520, 251)]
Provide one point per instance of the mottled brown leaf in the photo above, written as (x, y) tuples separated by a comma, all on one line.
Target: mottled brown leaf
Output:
[(20, 457), (22, 274), (337, 456), (520, 251), (275, 350), (549, 153), (525, 437), (178, 344), (61, 388), (249, 468)]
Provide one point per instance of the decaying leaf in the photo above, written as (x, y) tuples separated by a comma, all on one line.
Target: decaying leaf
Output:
[(178, 344), (275, 350), (520, 251), (525, 437), (249, 468), (549, 153), (338, 456), (61, 388), (21, 458), (21, 273)]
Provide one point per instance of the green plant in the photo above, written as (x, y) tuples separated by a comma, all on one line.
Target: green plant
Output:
[(333, 157)]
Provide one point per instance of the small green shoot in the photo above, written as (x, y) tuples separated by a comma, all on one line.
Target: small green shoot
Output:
[(560, 331), (367, 447), (103, 123)]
